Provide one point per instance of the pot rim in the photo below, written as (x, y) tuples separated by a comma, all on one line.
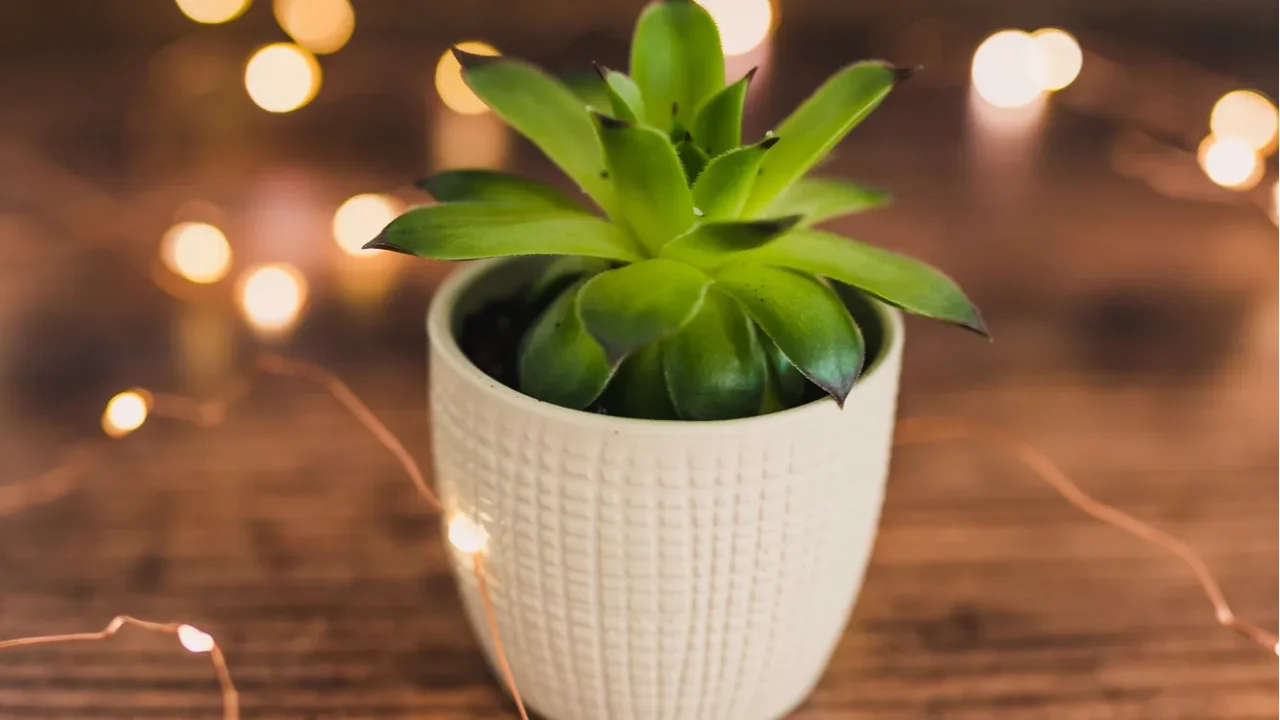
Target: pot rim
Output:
[(441, 337)]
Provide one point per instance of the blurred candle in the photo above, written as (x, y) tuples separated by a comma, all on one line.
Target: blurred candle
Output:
[(743, 24), (1009, 70), (272, 297), (1062, 57), (196, 251), (360, 219), (452, 88), (321, 26), (1230, 162), (282, 77), (1246, 116), (212, 12)]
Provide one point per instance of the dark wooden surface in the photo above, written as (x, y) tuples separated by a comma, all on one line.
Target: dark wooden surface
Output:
[(1136, 343)]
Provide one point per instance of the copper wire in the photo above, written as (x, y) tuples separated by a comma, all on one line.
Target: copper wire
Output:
[(916, 431), (230, 697)]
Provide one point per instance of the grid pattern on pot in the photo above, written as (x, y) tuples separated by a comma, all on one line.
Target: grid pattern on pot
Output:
[(664, 576)]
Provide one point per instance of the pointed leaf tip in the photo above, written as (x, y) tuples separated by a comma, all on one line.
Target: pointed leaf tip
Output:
[(903, 74), (470, 61), (380, 244), (601, 70), (608, 122), (751, 74), (769, 142)]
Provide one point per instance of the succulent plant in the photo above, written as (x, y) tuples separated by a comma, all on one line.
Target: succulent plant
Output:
[(701, 292)]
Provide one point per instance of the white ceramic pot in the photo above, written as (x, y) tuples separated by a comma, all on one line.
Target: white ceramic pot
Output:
[(658, 570)]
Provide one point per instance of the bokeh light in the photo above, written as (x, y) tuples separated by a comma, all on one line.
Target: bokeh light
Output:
[(196, 251), (272, 296), (1009, 70), (1062, 57), (321, 26), (452, 88), (194, 639), (1246, 116), (125, 413), (282, 77), (1230, 162), (212, 12), (466, 535), (744, 24), (360, 219)]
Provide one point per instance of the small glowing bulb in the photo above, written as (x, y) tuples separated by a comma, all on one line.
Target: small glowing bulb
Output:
[(1062, 56), (466, 535), (194, 639), (743, 24), (212, 12), (196, 251), (452, 88), (1009, 70), (125, 413), (282, 77), (321, 26), (1246, 116), (1230, 162), (272, 296), (360, 219)]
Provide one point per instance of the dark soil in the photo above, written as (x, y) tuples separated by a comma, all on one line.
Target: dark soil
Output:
[(491, 336)]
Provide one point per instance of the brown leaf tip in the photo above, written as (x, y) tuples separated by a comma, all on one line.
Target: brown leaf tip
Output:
[(903, 74), (769, 142), (610, 123), (470, 61), (379, 243), (751, 74), (601, 70)]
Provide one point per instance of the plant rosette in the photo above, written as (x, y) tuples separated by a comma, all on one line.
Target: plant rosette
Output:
[(670, 413)]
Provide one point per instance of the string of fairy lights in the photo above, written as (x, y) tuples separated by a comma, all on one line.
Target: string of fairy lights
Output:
[(1011, 71)]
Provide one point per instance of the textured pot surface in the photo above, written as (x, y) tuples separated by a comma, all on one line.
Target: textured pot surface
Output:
[(647, 570)]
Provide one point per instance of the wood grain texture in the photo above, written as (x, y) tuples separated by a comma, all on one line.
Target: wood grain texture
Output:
[(1135, 343)]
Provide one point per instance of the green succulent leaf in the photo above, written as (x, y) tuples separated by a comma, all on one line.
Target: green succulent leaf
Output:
[(896, 279), (820, 199), (721, 191), (717, 125), (638, 388), (715, 367), (587, 87), (624, 95), (692, 158), (676, 60), (653, 193), (564, 268), (543, 109), (478, 185), (788, 382), (466, 231), (804, 318), (817, 125), (559, 362), (635, 305), (711, 245)]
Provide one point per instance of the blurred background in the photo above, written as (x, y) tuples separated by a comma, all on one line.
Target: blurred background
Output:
[(184, 183)]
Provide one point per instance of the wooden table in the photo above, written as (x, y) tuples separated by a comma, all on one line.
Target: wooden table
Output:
[(1136, 343)]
